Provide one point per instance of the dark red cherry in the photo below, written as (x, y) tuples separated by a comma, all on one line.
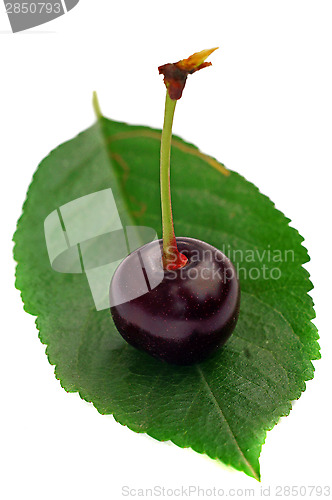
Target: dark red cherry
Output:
[(179, 316)]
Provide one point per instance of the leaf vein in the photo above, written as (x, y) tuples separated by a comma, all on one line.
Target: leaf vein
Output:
[(223, 418)]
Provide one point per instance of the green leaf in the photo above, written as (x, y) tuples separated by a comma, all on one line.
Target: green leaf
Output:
[(224, 406)]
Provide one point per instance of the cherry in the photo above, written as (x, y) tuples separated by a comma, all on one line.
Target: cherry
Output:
[(177, 298), (189, 314)]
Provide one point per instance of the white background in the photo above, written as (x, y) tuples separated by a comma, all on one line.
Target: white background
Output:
[(264, 109)]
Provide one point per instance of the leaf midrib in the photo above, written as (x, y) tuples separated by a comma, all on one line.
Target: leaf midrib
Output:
[(222, 416)]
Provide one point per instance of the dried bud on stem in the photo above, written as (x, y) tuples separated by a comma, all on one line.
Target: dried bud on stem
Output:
[(175, 74)]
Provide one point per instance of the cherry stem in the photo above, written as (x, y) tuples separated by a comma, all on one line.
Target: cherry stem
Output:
[(172, 258)]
